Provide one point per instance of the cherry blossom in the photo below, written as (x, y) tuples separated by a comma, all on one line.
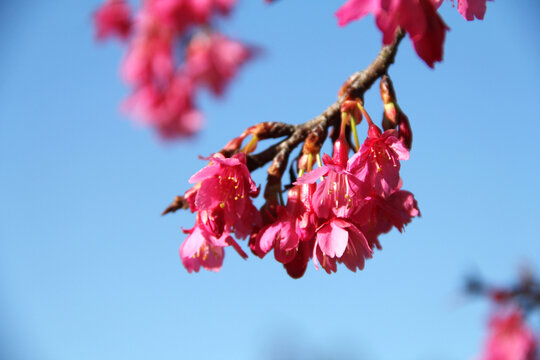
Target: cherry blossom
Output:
[(113, 18), (509, 338), (419, 18)]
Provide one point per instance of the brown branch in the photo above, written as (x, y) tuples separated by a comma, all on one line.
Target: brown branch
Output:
[(358, 84), (178, 203)]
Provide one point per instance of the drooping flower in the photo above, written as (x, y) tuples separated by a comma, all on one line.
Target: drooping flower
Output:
[(340, 240), (509, 338), (377, 162), (204, 245), (197, 251), (338, 193), (296, 223), (419, 18), (113, 18), (213, 60), (226, 183), (377, 215)]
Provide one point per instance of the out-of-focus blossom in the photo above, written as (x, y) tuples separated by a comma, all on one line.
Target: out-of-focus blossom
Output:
[(150, 54), (181, 14), (509, 338), (172, 51), (113, 18), (213, 60), (170, 108)]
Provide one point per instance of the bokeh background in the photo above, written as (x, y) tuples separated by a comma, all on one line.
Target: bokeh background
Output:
[(89, 269)]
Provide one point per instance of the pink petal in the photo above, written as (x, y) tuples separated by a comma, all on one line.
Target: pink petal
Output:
[(205, 172), (312, 176), (332, 239), (206, 198), (268, 237), (192, 244), (355, 10), (470, 9)]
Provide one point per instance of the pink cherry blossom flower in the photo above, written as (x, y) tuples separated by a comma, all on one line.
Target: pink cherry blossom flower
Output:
[(226, 183), (298, 265), (204, 247), (377, 161), (377, 215), (196, 251), (509, 338), (295, 223), (340, 240), (337, 193), (213, 60), (169, 108), (113, 18), (419, 18)]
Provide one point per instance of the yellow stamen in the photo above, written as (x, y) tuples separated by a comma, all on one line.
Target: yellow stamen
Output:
[(355, 134)]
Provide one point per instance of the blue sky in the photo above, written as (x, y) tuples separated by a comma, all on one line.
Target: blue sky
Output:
[(89, 270)]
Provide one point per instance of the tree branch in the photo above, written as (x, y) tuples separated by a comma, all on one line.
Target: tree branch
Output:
[(358, 84)]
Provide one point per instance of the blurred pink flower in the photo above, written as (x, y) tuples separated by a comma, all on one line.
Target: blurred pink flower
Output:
[(170, 108), (181, 14), (213, 60), (113, 18), (509, 338), (149, 58)]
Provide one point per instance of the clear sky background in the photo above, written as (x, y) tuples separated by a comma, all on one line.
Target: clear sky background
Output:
[(89, 270)]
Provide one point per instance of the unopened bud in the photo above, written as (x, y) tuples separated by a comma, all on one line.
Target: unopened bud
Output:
[(404, 130), (390, 116), (388, 94), (314, 141), (341, 151)]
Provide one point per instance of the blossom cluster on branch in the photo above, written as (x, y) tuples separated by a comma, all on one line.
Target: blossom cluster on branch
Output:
[(337, 206), (333, 213)]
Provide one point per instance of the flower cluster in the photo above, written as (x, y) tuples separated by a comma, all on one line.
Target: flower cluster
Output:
[(419, 18), (222, 199), (339, 218), (173, 50), (334, 213)]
